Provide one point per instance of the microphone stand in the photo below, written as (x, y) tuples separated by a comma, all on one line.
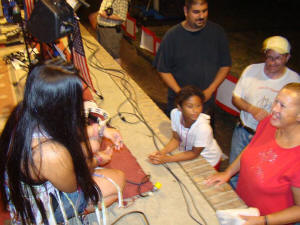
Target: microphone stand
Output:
[(17, 18)]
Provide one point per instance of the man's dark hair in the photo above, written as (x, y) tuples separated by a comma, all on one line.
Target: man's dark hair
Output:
[(188, 91), (189, 3)]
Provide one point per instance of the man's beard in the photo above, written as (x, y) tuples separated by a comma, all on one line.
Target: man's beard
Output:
[(195, 25)]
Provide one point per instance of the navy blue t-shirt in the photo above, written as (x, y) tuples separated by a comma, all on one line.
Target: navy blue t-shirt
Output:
[(193, 58)]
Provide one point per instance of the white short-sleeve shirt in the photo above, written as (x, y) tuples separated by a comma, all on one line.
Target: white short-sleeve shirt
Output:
[(200, 134), (255, 87)]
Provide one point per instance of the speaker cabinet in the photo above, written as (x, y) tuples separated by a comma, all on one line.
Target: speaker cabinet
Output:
[(50, 20)]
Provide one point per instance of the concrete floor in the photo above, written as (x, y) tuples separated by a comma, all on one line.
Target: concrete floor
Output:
[(167, 205)]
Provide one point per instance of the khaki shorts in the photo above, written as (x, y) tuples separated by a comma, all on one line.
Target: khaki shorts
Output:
[(110, 39)]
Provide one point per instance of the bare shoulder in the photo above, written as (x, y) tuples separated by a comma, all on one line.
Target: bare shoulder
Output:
[(53, 162), (48, 151), (49, 155)]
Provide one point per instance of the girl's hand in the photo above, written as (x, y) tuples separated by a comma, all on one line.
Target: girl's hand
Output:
[(157, 158), (154, 153)]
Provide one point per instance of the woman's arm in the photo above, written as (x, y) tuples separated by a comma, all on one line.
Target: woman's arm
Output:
[(222, 177), (286, 216), (115, 136), (94, 132), (104, 156), (101, 158)]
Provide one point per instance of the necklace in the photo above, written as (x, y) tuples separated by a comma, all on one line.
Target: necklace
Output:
[(182, 133)]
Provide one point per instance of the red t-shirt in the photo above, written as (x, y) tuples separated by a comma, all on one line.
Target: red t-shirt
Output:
[(268, 171)]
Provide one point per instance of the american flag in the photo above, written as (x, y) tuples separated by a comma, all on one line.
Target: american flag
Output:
[(29, 5), (79, 55)]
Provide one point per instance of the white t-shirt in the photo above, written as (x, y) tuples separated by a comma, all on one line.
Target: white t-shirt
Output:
[(200, 134), (255, 87)]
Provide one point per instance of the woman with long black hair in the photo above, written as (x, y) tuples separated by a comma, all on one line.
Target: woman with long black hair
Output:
[(46, 159)]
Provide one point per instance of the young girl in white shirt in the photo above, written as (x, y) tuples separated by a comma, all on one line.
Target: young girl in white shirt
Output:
[(192, 132)]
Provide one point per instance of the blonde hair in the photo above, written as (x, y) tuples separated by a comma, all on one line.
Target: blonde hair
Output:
[(295, 87)]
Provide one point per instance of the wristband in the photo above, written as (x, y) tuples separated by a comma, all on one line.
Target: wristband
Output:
[(101, 131), (98, 159)]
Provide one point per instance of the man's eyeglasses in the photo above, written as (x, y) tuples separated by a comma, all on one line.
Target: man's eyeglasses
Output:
[(277, 58)]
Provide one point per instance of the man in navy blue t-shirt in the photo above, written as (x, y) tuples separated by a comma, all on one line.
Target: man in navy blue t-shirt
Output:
[(194, 52)]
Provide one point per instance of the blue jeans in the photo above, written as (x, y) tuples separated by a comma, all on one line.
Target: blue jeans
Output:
[(240, 139), (78, 200)]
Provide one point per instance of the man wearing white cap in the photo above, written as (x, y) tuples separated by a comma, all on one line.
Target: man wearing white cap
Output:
[(256, 90)]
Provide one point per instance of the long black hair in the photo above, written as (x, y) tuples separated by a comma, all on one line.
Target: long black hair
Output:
[(52, 103)]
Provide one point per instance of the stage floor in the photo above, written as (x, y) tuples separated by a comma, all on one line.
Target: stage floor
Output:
[(167, 206)]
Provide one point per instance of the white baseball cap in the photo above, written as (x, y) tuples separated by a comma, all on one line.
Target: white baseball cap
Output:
[(278, 44)]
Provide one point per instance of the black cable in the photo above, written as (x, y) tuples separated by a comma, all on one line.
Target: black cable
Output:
[(122, 117), (145, 180), (183, 187), (129, 213), (131, 98)]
